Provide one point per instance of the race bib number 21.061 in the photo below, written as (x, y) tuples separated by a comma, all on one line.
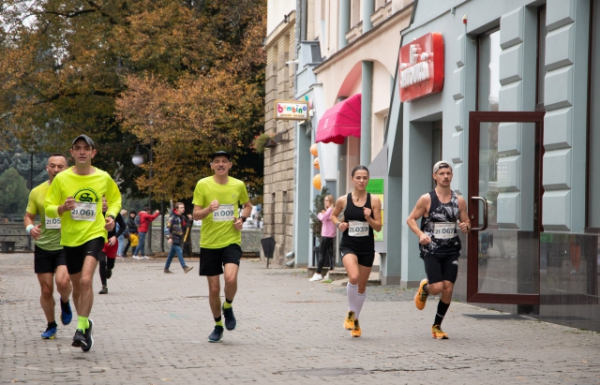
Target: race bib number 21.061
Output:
[(84, 212)]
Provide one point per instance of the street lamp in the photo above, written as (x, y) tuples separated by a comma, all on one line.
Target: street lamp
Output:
[(138, 159)]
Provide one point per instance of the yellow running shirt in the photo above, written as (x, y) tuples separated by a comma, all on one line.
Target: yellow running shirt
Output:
[(49, 240), (217, 229), (85, 222)]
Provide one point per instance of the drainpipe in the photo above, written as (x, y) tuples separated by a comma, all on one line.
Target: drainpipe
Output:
[(366, 112), (344, 25), (368, 9)]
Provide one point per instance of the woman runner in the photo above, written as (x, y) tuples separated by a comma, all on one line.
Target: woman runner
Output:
[(362, 215)]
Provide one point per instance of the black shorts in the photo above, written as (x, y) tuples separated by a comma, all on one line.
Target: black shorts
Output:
[(76, 255), (213, 260), (441, 267), (364, 259), (45, 261)]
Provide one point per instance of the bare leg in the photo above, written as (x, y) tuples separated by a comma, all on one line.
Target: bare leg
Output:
[(231, 270), (46, 297), (83, 294), (63, 283), (214, 292)]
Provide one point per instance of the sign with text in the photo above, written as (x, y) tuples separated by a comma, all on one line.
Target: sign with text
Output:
[(376, 187), (291, 110), (421, 67)]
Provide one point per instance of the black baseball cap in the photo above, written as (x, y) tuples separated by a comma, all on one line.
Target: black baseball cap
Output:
[(87, 139), (220, 153)]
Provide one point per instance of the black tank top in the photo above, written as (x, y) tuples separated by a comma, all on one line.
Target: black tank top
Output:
[(446, 242), (364, 244)]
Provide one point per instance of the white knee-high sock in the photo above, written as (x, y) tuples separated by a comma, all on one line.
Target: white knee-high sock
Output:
[(355, 300), (352, 293)]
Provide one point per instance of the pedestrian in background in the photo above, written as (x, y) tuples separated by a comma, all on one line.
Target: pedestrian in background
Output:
[(132, 231), (122, 237), (327, 235), (175, 232), (144, 222)]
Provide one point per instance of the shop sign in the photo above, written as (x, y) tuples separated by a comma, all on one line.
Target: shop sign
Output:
[(421, 69), (291, 110), (375, 187)]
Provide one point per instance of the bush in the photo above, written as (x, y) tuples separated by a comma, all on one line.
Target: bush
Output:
[(258, 144)]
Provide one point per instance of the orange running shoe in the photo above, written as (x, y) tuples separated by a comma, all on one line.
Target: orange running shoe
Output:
[(356, 332), (437, 333), (421, 296), (349, 321)]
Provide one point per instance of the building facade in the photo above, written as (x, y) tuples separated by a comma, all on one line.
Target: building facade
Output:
[(279, 179)]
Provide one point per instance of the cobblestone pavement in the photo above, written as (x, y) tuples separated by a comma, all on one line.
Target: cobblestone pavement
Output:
[(152, 329)]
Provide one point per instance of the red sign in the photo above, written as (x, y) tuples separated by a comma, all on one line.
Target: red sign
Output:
[(421, 69)]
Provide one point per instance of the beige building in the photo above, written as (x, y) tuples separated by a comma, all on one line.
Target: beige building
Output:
[(334, 49), (279, 156)]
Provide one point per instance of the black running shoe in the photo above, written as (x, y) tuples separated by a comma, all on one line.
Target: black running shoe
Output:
[(216, 335), (108, 273), (229, 318), (79, 340), (89, 338)]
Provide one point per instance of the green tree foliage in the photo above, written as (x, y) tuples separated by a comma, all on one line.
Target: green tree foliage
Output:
[(13, 192), (64, 64)]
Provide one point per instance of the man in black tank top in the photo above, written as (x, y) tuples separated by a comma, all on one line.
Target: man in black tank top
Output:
[(442, 214)]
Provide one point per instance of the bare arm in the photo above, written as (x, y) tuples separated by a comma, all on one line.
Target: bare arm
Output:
[(420, 209), (374, 222), (238, 224), (465, 222), (339, 206), (36, 231)]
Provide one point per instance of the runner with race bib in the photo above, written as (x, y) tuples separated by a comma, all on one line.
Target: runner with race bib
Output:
[(362, 215), (442, 214), (75, 197), (49, 263), (216, 202)]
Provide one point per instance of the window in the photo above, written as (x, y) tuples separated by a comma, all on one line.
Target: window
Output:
[(488, 70)]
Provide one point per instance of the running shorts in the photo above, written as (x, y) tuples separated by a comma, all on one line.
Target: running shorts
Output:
[(76, 255), (47, 261), (364, 259), (441, 267), (213, 260)]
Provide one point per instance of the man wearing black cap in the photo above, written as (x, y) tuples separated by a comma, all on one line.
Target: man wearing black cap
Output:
[(216, 202), (75, 196), (440, 210)]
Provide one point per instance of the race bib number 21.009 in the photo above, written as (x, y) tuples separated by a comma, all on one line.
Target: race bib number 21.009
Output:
[(224, 213)]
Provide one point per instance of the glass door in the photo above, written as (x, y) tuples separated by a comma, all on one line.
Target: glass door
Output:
[(504, 207)]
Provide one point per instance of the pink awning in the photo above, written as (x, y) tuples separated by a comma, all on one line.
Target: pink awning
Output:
[(340, 121)]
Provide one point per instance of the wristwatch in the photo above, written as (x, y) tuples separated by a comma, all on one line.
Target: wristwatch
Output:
[(243, 219)]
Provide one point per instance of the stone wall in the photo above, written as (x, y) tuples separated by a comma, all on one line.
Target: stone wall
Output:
[(279, 160)]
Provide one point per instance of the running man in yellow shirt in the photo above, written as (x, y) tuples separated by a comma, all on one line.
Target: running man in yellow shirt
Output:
[(49, 261), (216, 203), (75, 196)]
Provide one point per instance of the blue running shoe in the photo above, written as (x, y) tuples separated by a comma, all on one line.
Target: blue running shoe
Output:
[(230, 321), (216, 335), (49, 333), (66, 315)]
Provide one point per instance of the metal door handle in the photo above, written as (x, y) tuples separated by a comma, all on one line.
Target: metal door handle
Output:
[(485, 215)]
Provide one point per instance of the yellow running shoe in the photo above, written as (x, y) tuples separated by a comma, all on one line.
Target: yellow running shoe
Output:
[(421, 296), (349, 321), (437, 333), (356, 332)]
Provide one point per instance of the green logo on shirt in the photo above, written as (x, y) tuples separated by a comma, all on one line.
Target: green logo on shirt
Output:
[(86, 195)]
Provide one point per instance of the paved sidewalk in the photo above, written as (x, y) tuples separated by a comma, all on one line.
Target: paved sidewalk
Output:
[(152, 329)]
